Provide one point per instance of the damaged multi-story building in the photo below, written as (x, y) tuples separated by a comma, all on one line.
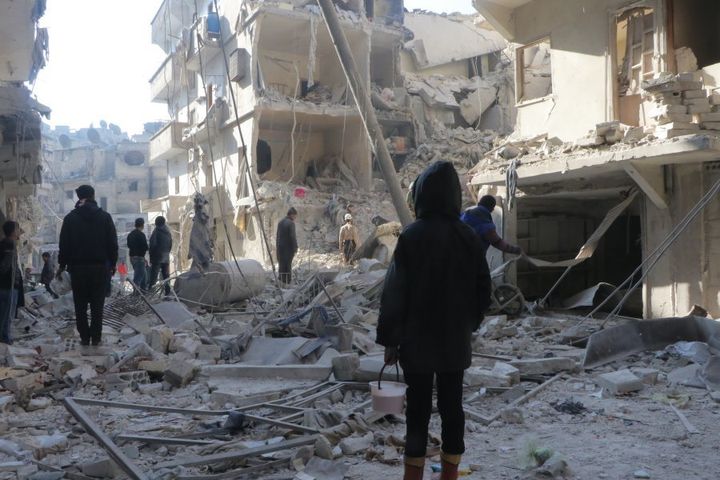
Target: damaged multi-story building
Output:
[(23, 53), (116, 164), (613, 96), (258, 97)]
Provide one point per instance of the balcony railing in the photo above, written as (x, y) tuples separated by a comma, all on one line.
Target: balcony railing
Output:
[(167, 143)]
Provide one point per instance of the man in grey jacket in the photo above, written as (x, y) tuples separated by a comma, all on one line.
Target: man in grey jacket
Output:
[(160, 247)]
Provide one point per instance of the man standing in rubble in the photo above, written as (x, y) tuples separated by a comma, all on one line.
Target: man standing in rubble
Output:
[(436, 290), (349, 239), (160, 248), (89, 251), (138, 246), (12, 294), (480, 220), (287, 245)]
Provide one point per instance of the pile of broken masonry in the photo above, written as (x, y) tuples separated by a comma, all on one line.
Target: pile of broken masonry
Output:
[(277, 388)]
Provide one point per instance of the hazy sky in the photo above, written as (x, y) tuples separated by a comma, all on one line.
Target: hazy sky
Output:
[(101, 60)]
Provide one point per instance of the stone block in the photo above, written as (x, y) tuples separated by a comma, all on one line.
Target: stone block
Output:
[(209, 352), (484, 377), (681, 126), (666, 134), (543, 366), (711, 125), (714, 98), (25, 384), (709, 117), (345, 366), (369, 370), (501, 368), (323, 448), (155, 367), (160, 338), (693, 94), (648, 376), (354, 445), (604, 128), (185, 343), (620, 382), (105, 468), (180, 373), (695, 109), (664, 109), (696, 101), (673, 117)]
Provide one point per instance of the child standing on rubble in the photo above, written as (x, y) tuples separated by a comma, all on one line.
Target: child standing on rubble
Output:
[(349, 239), (436, 290)]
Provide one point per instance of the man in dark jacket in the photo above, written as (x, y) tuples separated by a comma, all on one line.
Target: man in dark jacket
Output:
[(138, 247), (286, 245), (160, 248), (480, 220), (12, 294), (436, 290), (89, 251)]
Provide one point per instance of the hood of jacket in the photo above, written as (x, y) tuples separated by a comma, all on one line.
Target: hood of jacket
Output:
[(88, 210), (437, 192), (163, 230)]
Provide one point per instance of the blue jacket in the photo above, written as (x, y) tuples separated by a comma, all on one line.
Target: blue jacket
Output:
[(480, 220)]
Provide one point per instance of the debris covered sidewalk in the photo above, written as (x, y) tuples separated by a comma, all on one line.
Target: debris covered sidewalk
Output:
[(277, 387)]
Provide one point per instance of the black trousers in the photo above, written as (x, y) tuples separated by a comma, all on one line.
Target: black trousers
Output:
[(419, 409), (349, 248), (285, 268), (89, 284), (164, 270)]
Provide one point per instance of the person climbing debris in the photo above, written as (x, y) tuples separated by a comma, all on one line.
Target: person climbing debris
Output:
[(349, 239), (479, 218), (436, 291), (12, 294)]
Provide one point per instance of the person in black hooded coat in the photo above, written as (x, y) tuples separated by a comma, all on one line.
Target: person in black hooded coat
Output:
[(436, 291)]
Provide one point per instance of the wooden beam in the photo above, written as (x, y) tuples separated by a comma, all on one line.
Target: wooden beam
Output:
[(651, 180)]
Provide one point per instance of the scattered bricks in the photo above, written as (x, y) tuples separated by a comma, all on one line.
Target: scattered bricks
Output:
[(180, 373), (59, 366), (615, 136), (71, 344), (711, 125), (620, 382), (543, 366), (102, 469), (692, 94), (121, 381), (648, 376), (695, 109), (160, 338), (345, 366), (671, 98), (209, 352)]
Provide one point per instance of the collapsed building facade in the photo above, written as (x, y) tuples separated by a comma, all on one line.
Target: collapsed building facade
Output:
[(612, 96), (23, 53), (263, 117), (107, 158)]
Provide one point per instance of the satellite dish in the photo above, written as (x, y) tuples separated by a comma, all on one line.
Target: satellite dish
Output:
[(94, 136), (65, 141), (134, 158), (103, 124)]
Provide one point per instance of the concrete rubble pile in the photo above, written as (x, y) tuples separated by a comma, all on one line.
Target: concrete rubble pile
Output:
[(278, 383)]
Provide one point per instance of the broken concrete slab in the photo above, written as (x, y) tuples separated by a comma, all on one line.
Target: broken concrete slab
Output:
[(640, 335), (370, 367), (345, 366), (160, 338), (649, 376), (620, 382), (543, 366), (273, 351), (180, 373), (353, 445), (496, 377), (291, 372), (688, 376), (105, 468)]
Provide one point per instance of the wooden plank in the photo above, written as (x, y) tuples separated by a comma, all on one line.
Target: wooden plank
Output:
[(239, 455), (683, 419)]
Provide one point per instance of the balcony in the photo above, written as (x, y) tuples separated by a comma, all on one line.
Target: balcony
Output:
[(167, 81), (171, 18), (167, 143), (204, 45)]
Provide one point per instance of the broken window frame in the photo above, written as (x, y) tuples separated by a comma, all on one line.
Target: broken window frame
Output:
[(520, 72)]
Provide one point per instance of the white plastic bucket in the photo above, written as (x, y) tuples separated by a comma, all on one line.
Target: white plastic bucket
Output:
[(388, 397)]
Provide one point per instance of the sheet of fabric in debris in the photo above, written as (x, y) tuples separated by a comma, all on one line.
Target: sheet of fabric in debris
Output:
[(587, 250)]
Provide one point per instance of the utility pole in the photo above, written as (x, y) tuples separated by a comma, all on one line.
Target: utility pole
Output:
[(367, 111)]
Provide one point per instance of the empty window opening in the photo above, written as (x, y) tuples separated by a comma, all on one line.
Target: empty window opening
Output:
[(133, 187), (264, 157), (534, 70)]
